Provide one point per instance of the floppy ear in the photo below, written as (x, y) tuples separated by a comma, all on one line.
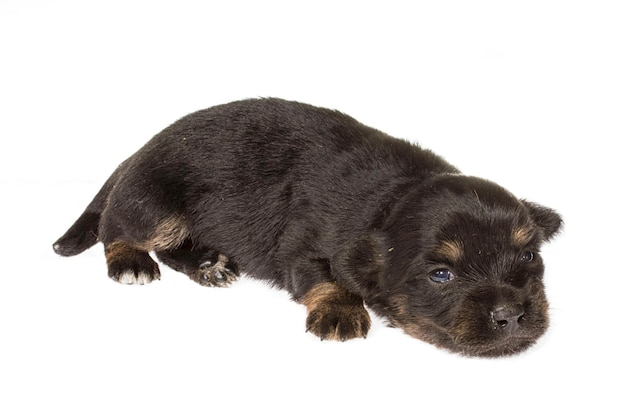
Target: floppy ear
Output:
[(359, 266), (548, 220)]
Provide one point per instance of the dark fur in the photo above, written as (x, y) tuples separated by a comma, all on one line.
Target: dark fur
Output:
[(335, 212)]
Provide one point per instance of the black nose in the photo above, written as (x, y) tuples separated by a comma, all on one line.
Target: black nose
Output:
[(508, 317)]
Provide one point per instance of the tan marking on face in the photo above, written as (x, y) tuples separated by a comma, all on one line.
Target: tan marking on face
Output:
[(417, 327), (520, 236), (170, 233), (451, 250)]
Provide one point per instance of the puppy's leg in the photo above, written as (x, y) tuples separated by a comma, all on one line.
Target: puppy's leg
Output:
[(206, 267), (334, 313)]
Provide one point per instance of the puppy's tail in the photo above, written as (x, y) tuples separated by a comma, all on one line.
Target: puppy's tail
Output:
[(84, 232)]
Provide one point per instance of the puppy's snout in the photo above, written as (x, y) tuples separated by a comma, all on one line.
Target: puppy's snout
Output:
[(508, 317)]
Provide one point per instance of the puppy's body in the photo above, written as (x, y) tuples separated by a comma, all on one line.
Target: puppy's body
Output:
[(333, 211)]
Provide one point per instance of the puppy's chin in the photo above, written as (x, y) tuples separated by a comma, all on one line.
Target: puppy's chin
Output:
[(472, 330), (500, 347), (506, 347)]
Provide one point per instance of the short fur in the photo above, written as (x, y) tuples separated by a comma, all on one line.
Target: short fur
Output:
[(335, 212)]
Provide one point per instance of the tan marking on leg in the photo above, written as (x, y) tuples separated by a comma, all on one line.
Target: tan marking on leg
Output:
[(170, 233), (321, 294), (451, 250), (117, 250)]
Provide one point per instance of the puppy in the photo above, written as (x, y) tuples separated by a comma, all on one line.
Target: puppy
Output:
[(338, 214)]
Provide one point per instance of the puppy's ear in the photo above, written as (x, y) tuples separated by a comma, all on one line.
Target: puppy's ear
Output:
[(548, 220), (360, 265)]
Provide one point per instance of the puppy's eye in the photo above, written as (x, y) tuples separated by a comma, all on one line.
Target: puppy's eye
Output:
[(441, 275), (527, 256)]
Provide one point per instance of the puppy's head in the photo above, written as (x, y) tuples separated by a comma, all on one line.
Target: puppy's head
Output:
[(458, 265)]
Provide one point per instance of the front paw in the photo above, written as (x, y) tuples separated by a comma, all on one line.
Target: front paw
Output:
[(335, 314), (339, 322)]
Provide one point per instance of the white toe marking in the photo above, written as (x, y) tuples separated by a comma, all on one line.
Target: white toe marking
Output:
[(129, 278)]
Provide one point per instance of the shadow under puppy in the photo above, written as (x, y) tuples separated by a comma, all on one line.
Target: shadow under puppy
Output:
[(337, 213)]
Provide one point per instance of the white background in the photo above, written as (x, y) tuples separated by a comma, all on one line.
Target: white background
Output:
[(529, 94)]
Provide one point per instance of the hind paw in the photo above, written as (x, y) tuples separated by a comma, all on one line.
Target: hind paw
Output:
[(130, 266), (219, 273)]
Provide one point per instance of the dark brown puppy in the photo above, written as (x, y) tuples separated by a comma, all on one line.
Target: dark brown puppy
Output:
[(337, 213)]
